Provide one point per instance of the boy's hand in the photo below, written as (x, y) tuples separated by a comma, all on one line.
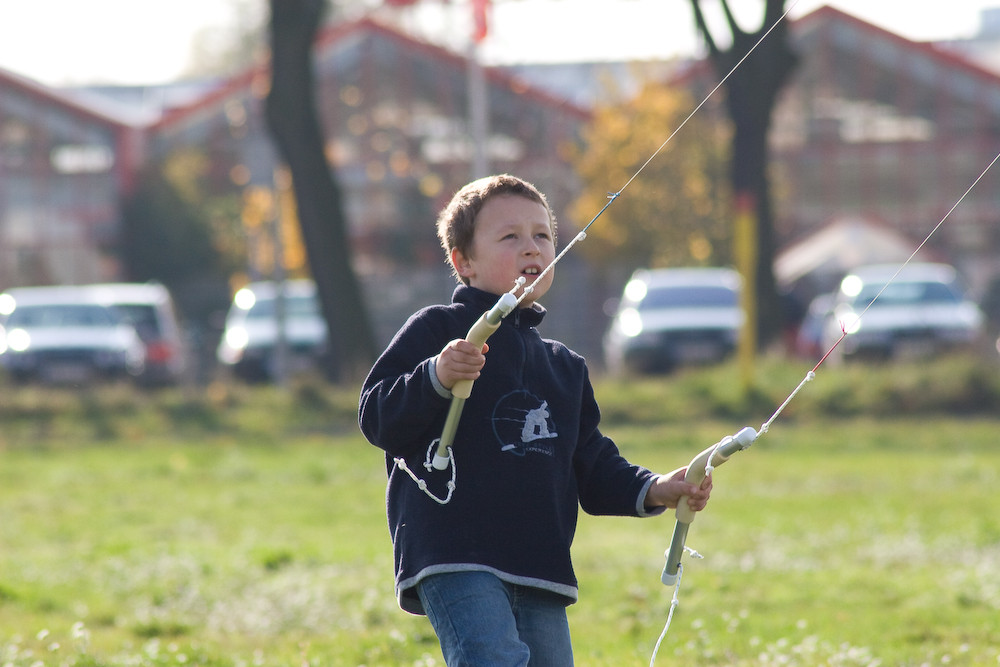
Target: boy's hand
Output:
[(668, 489), (460, 360)]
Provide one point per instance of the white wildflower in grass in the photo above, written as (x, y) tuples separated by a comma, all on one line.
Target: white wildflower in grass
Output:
[(81, 636), (732, 622), (151, 649)]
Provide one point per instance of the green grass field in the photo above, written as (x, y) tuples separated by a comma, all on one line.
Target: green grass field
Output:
[(239, 527)]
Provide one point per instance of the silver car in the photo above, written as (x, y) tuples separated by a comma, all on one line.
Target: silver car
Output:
[(669, 317), (150, 309), (919, 312), (251, 343)]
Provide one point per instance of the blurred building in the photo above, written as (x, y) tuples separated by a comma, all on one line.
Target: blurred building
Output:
[(878, 127), (63, 165), (396, 114)]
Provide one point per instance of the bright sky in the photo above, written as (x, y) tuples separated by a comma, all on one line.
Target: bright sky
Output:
[(63, 42)]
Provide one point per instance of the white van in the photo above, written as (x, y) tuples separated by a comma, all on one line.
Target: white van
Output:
[(150, 309)]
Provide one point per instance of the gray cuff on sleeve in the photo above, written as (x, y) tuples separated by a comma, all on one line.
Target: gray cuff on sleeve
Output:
[(640, 507), (438, 387)]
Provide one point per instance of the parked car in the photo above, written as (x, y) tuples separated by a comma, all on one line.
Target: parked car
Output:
[(811, 336), (150, 309), (65, 335), (668, 317), (250, 342), (922, 311)]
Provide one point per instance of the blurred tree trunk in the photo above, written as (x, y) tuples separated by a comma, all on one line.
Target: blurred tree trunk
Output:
[(751, 94), (293, 120)]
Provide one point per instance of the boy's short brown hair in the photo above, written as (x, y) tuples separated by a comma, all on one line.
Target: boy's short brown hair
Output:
[(457, 222)]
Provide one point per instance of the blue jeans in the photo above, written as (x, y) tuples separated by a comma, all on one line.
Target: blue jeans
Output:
[(482, 621)]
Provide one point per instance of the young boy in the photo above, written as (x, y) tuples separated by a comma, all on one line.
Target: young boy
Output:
[(490, 564)]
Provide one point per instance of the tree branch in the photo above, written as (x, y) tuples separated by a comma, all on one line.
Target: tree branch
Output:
[(734, 27), (699, 19)]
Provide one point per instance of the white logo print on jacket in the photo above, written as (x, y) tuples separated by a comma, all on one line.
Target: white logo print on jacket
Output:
[(522, 423)]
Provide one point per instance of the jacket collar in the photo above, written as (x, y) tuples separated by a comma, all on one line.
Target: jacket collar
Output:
[(482, 301)]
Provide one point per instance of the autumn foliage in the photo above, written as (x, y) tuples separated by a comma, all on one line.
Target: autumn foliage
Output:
[(675, 212)]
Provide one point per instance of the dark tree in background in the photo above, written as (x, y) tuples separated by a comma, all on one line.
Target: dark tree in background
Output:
[(751, 94), (294, 124), (168, 237)]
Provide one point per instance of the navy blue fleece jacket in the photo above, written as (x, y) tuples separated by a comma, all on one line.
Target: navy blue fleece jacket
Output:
[(528, 452)]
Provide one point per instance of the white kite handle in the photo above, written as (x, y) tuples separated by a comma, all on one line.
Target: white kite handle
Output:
[(480, 333), (697, 470), (712, 457), (483, 328)]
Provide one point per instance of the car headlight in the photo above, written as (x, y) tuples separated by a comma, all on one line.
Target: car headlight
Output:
[(234, 344), (630, 322), (237, 338), (18, 340), (849, 322)]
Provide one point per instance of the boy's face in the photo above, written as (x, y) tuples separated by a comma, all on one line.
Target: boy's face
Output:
[(513, 238)]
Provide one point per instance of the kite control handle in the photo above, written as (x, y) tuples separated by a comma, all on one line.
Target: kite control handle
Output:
[(714, 456), (478, 335)]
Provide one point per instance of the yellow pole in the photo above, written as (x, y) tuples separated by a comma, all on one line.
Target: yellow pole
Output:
[(745, 246)]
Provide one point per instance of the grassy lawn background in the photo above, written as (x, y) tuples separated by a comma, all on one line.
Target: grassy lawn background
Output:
[(246, 527)]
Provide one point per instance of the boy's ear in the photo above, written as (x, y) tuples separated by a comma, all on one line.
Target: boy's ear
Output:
[(463, 267)]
